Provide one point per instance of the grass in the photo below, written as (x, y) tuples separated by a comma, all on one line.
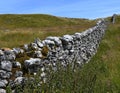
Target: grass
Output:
[(12, 21), (100, 75), (16, 30)]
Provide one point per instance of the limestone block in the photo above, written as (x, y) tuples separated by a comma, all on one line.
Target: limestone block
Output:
[(78, 36), (18, 51), (2, 84), (19, 80), (2, 57), (4, 74), (67, 38), (18, 74), (4, 81), (9, 74), (26, 47), (38, 42), (33, 46), (16, 64), (55, 39), (11, 84), (1, 53), (32, 61), (2, 90), (48, 42), (38, 54), (9, 55), (6, 65), (33, 64)]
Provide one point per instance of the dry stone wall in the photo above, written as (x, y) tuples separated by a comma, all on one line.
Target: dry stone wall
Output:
[(40, 55)]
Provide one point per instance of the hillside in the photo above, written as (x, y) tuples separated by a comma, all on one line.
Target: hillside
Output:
[(25, 28), (13, 21), (100, 75)]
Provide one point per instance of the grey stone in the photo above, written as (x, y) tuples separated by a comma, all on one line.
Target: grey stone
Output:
[(100, 22), (26, 48), (34, 46), (78, 36), (2, 84), (71, 52), (67, 42), (33, 64), (1, 52), (48, 42), (4, 74), (9, 74), (16, 64), (2, 58), (69, 46), (18, 74), (67, 38), (11, 84), (38, 42), (18, 51), (38, 54), (32, 61), (55, 39), (19, 80), (9, 55), (2, 90), (6, 65), (4, 81)]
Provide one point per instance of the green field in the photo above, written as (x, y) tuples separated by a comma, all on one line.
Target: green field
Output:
[(100, 75), (25, 28)]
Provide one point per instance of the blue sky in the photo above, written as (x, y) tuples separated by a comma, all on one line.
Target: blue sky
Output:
[(65, 8)]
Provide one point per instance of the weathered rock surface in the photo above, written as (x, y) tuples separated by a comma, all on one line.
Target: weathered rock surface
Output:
[(19, 80), (18, 74), (2, 91), (6, 65), (16, 64), (33, 64), (2, 84)]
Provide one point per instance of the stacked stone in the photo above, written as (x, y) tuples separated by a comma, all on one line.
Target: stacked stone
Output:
[(77, 48), (5, 68), (7, 63), (74, 49)]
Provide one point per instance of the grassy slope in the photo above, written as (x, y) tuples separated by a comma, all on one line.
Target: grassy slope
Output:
[(25, 28)]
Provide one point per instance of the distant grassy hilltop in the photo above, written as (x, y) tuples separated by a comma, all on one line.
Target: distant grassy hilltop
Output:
[(24, 28), (15, 21)]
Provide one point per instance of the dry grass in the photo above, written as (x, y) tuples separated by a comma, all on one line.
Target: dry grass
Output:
[(17, 30)]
